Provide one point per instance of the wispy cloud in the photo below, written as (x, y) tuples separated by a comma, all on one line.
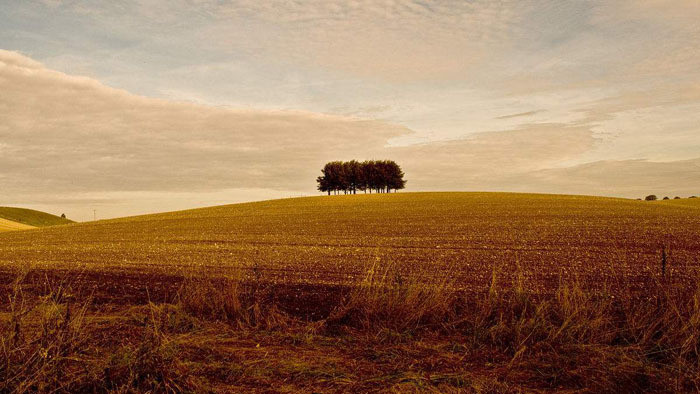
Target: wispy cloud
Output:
[(72, 138), (520, 114), (211, 96)]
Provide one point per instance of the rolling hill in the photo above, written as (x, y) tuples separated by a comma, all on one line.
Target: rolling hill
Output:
[(8, 225), (687, 202), (29, 218), (405, 292), (333, 240)]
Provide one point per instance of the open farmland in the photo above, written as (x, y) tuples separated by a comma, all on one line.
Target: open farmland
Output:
[(334, 240), (12, 219), (391, 292)]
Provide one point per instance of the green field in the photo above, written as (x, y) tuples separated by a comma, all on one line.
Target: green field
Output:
[(30, 217)]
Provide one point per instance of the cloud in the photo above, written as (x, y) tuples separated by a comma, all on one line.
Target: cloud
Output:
[(385, 39), (490, 160), (520, 114), (69, 141), (72, 134), (630, 178)]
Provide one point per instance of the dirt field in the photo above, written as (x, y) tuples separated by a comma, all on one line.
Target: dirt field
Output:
[(365, 293), (333, 240)]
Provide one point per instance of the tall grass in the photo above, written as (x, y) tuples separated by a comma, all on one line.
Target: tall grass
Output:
[(40, 345), (599, 339), (46, 345), (230, 298), (577, 338), (385, 299)]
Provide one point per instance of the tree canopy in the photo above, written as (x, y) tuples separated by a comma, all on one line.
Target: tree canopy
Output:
[(380, 176)]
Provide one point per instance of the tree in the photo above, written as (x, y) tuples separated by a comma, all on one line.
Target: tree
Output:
[(353, 175), (63, 215), (396, 175), (337, 176), (666, 198), (323, 184), (650, 197), (331, 179), (374, 176)]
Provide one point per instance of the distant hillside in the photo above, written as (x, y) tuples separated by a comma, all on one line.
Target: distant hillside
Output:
[(686, 202), (8, 225), (30, 217)]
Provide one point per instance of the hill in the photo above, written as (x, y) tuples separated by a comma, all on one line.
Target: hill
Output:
[(407, 292), (8, 225), (687, 202), (332, 240), (30, 217)]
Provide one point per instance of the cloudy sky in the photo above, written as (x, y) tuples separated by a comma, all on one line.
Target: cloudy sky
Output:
[(138, 106)]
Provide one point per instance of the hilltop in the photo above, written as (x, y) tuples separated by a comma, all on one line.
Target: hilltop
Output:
[(30, 217)]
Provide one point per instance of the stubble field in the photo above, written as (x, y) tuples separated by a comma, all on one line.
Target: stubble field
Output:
[(444, 292), (324, 241)]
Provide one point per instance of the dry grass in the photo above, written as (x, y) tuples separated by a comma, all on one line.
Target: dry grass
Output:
[(385, 299), (231, 299), (576, 339), (47, 344)]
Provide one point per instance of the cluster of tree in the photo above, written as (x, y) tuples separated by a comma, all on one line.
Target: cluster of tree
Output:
[(652, 197), (381, 176)]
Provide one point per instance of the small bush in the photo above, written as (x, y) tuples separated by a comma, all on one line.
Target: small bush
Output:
[(650, 197)]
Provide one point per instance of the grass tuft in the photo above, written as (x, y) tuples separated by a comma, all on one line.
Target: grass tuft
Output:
[(386, 300), (230, 299)]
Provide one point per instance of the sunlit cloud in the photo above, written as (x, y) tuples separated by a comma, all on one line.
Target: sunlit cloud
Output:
[(124, 103)]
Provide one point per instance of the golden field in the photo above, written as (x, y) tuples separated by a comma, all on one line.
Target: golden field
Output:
[(8, 225), (408, 292), (333, 240)]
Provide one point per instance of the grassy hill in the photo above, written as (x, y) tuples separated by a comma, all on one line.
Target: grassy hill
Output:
[(30, 217)]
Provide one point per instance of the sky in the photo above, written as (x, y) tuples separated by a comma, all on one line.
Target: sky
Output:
[(124, 107)]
